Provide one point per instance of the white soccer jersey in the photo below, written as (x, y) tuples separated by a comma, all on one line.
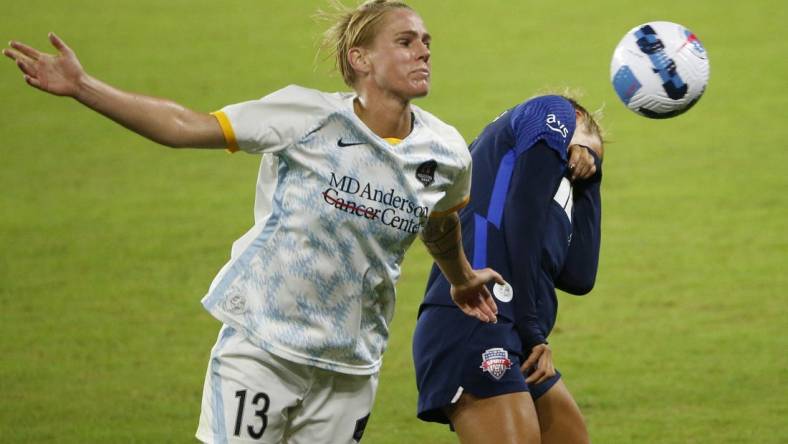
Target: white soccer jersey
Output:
[(336, 208)]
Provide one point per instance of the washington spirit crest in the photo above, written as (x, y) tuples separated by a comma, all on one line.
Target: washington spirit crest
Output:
[(496, 362)]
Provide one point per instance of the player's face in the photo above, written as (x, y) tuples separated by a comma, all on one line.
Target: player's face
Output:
[(399, 56)]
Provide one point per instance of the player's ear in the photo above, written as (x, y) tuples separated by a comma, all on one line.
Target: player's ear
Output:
[(359, 60), (579, 117)]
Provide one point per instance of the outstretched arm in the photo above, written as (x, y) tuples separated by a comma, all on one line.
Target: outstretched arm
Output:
[(160, 120), (443, 239)]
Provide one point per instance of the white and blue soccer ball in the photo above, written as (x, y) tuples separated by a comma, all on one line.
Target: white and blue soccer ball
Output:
[(659, 69)]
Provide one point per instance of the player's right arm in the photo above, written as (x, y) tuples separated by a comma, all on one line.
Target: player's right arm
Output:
[(441, 235), (159, 120)]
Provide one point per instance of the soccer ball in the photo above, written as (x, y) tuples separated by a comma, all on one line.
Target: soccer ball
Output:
[(659, 69)]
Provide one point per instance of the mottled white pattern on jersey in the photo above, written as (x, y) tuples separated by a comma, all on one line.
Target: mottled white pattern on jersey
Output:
[(313, 280)]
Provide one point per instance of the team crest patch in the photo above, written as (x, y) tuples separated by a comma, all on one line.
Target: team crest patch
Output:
[(496, 362), (426, 172), (235, 303)]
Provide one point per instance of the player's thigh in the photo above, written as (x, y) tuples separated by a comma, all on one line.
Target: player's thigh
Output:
[(509, 418), (455, 354), (560, 420), (248, 393)]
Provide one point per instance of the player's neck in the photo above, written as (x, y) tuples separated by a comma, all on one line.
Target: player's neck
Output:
[(385, 115)]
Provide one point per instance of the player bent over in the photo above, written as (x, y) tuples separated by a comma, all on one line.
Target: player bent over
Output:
[(534, 216), (346, 183)]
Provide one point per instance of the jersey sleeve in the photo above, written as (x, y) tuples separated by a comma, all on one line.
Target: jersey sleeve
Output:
[(458, 193), (273, 122), (537, 175), (547, 118), (579, 273)]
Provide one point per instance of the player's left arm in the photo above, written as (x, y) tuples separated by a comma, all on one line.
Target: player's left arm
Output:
[(579, 273), (443, 239)]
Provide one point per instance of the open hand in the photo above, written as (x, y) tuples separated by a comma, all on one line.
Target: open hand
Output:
[(541, 360), (58, 74), (473, 297)]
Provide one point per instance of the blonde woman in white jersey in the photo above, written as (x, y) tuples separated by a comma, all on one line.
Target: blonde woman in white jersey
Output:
[(346, 183)]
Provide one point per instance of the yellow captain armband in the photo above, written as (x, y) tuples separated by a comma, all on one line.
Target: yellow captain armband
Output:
[(227, 130)]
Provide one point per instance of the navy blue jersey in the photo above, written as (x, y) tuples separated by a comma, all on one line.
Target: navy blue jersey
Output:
[(518, 221)]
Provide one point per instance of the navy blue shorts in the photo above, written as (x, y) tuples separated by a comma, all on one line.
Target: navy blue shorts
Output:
[(455, 353)]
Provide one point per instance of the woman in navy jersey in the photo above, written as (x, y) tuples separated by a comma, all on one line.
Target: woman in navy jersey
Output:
[(534, 216)]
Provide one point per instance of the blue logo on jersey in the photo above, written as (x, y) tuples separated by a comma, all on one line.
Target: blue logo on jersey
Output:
[(652, 46)]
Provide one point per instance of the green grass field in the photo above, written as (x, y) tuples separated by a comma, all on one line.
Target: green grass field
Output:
[(109, 241)]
